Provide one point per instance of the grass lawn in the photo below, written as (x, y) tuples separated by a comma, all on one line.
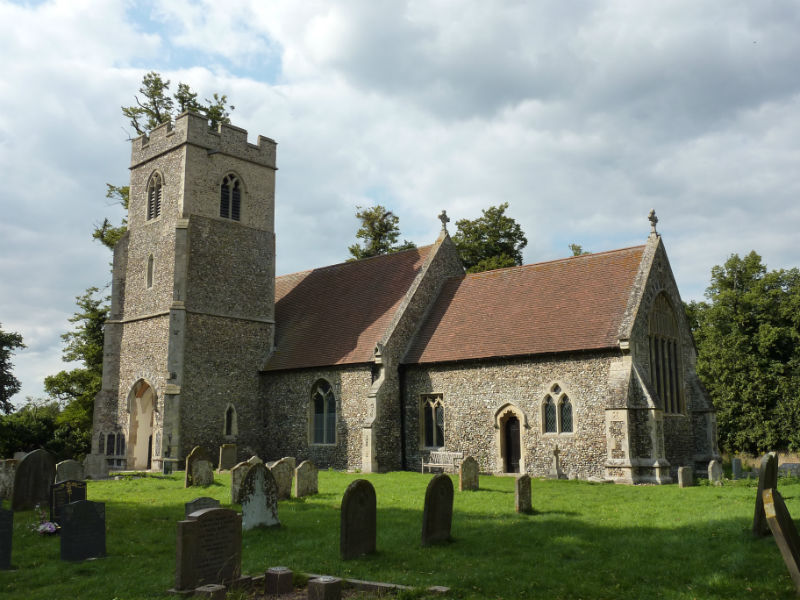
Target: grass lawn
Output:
[(584, 541)]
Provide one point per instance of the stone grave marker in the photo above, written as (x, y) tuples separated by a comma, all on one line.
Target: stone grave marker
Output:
[(197, 454), (437, 516), (324, 587), (306, 479), (278, 581), (32, 480), (8, 468), (522, 495), (784, 532), (767, 479), (95, 466), (468, 475), (83, 530), (62, 493), (202, 473), (69, 470), (209, 548), (237, 476), (736, 468), (555, 469), (259, 498), (685, 477), (227, 457), (6, 533), (715, 472), (254, 460), (199, 504), (358, 520), (283, 471)]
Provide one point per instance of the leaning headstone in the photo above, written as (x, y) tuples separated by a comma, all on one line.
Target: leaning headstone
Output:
[(199, 504), (358, 520), (685, 477), (784, 532), (8, 469), (767, 479), (237, 477), (95, 466), (83, 530), (305, 479), (555, 469), (715, 472), (6, 533), (522, 495), (32, 480), (69, 470), (198, 453), (283, 471), (324, 587), (227, 457), (61, 494), (468, 475), (202, 473), (259, 498), (209, 548), (736, 468), (437, 516)]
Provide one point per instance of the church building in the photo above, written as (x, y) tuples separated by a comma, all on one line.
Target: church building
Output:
[(371, 365)]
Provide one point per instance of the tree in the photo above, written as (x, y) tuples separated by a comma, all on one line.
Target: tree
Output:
[(379, 231), (9, 385), (106, 233), (748, 341), (492, 241), (577, 250)]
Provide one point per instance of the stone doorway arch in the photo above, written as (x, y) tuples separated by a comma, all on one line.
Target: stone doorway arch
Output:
[(141, 407), (510, 424)]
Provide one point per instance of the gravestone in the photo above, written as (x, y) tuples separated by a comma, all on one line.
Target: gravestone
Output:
[(437, 516), (202, 473), (254, 460), (209, 548), (685, 477), (69, 470), (227, 457), (522, 495), (32, 480), (555, 469), (237, 476), (6, 533), (468, 475), (83, 530), (784, 532), (62, 493), (736, 468), (199, 504), (259, 498), (715, 472), (305, 479), (278, 581), (8, 469), (358, 520), (324, 587), (95, 466), (198, 453), (767, 479), (283, 471)]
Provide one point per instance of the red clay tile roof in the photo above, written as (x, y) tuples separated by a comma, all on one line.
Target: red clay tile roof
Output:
[(335, 315), (565, 305)]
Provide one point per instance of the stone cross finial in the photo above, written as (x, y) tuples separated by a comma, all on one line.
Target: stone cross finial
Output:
[(653, 220), (444, 219)]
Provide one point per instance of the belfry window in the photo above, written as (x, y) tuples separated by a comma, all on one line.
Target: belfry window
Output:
[(230, 198), (557, 411), (323, 415), (154, 189), (665, 361), (432, 421)]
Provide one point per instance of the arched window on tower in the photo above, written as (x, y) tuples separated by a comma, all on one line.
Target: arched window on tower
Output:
[(323, 414), (665, 361), (230, 198), (154, 189)]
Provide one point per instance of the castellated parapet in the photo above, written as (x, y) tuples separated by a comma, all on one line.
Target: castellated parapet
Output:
[(191, 128)]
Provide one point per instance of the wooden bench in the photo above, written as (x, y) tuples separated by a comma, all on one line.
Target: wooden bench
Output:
[(448, 462)]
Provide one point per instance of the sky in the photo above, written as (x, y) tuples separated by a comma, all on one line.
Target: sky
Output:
[(581, 115)]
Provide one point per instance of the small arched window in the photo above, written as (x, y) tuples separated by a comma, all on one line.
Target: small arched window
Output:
[(432, 421), (149, 271), (665, 361), (230, 198), (323, 405), (557, 414), (230, 418), (565, 414), (550, 421), (154, 189)]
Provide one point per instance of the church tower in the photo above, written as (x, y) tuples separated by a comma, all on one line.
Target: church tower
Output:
[(192, 310)]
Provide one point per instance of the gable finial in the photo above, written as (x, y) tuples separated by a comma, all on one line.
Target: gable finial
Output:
[(445, 220), (653, 220)]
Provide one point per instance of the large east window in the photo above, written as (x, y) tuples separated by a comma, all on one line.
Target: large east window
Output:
[(665, 361)]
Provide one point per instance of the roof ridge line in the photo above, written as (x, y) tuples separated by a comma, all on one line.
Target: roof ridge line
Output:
[(359, 261)]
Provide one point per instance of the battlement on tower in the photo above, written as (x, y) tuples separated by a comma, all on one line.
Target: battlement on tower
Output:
[(191, 128)]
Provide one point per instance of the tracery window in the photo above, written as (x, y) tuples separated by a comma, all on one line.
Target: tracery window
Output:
[(557, 414), (323, 405), (230, 198), (432, 420), (665, 367), (154, 189)]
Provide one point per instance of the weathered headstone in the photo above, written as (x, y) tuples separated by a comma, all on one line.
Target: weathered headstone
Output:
[(305, 479), (358, 520), (209, 548), (63, 493), (715, 472), (237, 477), (784, 532), (468, 475), (555, 469), (685, 477), (227, 457), (259, 498), (95, 466), (283, 471), (522, 494), (199, 504), (83, 530), (254, 460), (767, 479), (202, 473), (736, 468), (8, 469), (437, 515), (32, 480), (198, 453), (324, 587), (6, 533), (69, 470)]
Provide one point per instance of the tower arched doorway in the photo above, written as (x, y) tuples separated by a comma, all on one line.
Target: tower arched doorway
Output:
[(141, 404)]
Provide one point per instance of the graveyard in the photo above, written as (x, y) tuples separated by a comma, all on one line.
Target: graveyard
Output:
[(580, 539)]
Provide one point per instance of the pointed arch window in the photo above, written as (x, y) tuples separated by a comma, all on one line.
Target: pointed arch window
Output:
[(230, 198), (323, 414), (550, 421), (432, 421), (557, 416), (230, 426), (665, 360), (154, 191)]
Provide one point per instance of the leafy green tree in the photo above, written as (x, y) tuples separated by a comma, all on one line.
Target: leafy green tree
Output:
[(492, 241), (379, 232), (106, 233), (32, 426), (9, 385), (577, 250), (748, 341)]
